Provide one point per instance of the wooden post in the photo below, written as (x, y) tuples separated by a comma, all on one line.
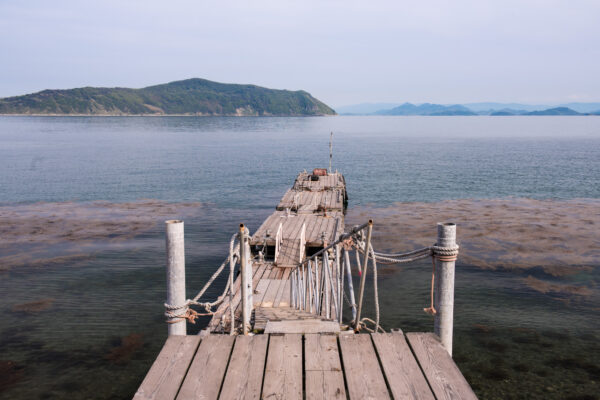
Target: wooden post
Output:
[(364, 275), (246, 271), (444, 286), (176, 276)]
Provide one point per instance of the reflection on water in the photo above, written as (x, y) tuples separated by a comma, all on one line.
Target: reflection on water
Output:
[(83, 285)]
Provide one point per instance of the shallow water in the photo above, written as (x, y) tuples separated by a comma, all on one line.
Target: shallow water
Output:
[(81, 261)]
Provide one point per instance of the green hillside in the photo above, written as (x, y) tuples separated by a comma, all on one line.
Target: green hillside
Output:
[(187, 97)]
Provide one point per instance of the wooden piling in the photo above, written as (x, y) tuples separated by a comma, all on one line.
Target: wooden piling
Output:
[(246, 283), (444, 287), (176, 276)]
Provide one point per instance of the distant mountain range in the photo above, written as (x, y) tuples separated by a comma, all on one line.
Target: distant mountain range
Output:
[(187, 97), (426, 109), (495, 109)]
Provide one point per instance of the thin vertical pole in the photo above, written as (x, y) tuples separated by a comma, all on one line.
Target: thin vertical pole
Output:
[(292, 289), (330, 150), (243, 267), (350, 283), (304, 286), (317, 288), (311, 288), (231, 290), (298, 290), (444, 287), (364, 275), (340, 282), (332, 283), (176, 276), (326, 285)]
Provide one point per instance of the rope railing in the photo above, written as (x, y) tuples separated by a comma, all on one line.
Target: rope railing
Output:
[(183, 311), (326, 296), (318, 282)]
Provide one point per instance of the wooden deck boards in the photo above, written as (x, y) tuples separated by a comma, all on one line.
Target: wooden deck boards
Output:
[(245, 373), (167, 373), (204, 378), (446, 380), (289, 253), (363, 374), (312, 201), (324, 378), (283, 372), (312, 366), (300, 354), (316, 224), (400, 367), (303, 182)]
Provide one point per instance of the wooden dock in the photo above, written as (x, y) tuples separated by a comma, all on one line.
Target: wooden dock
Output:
[(294, 352), (311, 366)]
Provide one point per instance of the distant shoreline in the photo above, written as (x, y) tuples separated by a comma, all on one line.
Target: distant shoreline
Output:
[(168, 115), (281, 116)]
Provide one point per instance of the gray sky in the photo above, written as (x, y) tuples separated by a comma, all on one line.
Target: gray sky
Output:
[(343, 52)]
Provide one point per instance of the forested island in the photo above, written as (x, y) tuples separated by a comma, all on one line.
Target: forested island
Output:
[(187, 97)]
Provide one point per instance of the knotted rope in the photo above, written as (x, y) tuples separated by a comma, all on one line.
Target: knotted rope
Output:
[(444, 254), (177, 313)]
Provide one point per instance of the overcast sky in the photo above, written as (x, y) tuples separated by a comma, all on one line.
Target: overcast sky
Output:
[(342, 52)]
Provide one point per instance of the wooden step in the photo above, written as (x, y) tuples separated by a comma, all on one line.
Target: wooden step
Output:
[(262, 315), (303, 326)]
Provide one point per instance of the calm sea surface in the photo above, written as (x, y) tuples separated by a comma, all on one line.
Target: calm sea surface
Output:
[(82, 201)]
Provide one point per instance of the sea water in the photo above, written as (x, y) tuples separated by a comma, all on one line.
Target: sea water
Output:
[(83, 200)]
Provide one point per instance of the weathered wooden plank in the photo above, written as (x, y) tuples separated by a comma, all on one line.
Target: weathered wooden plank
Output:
[(168, 370), (283, 372), (280, 272), (276, 272), (444, 377), (321, 353), (259, 292), (361, 368), (314, 236), (289, 254), (203, 380), (292, 226), (244, 376), (285, 298), (324, 385), (285, 277), (271, 293), (403, 374), (302, 326)]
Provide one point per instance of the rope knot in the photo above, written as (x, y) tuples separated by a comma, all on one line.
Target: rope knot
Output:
[(348, 244), (445, 253), (189, 315)]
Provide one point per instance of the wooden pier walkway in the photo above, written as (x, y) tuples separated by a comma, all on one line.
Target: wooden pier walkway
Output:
[(311, 366), (296, 353)]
